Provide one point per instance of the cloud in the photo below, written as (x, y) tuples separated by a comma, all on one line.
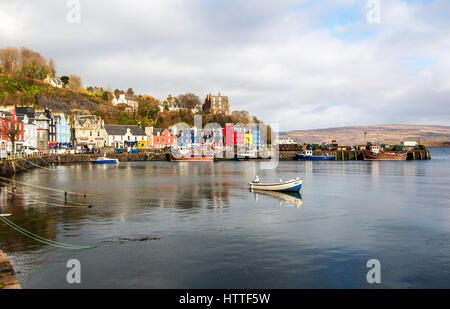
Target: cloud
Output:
[(302, 64)]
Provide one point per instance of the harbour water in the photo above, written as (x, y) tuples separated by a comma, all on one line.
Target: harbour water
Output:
[(206, 230)]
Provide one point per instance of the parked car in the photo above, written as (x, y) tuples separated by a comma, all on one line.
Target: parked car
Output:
[(29, 150)]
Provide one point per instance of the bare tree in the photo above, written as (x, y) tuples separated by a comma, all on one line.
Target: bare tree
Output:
[(13, 131), (75, 82), (189, 101), (10, 59)]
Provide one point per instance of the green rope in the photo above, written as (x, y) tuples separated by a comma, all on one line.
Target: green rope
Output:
[(50, 169), (42, 239), (47, 196), (47, 203), (44, 188)]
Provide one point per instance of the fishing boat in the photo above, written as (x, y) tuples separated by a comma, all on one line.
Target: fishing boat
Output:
[(105, 160), (294, 185), (384, 156), (307, 155)]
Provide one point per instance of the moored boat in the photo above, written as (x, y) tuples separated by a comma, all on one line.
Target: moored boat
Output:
[(384, 156), (307, 155), (105, 160), (293, 185)]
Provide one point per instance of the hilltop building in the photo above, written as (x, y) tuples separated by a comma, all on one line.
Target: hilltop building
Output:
[(54, 81), (130, 101), (216, 104)]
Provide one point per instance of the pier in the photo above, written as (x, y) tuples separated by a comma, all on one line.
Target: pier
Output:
[(289, 152), (8, 278)]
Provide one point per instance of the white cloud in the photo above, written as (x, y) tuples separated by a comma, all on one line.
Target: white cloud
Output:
[(302, 64)]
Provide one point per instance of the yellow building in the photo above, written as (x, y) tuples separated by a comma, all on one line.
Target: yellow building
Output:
[(89, 131), (248, 139)]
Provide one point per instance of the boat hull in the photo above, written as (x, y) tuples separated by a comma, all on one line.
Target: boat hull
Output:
[(314, 158), (371, 156), (288, 186), (105, 162)]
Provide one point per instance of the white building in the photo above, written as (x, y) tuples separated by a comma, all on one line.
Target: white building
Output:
[(409, 144), (128, 100), (54, 81), (125, 136), (30, 132), (286, 141)]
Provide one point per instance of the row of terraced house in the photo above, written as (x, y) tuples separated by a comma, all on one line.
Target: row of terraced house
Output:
[(44, 130)]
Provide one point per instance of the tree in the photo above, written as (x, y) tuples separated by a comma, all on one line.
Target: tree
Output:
[(117, 92), (13, 131), (10, 58), (33, 65), (130, 91), (65, 80), (75, 82), (189, 101), (106, 96), (148, 107), (52, 68)]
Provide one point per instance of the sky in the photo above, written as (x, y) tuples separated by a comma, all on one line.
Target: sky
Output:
[(300, 64)]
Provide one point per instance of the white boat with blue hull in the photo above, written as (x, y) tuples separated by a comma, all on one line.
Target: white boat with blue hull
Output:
[(105, 160), (294, 185), (308, 155)]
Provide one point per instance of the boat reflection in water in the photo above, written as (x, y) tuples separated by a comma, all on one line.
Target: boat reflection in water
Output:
[(292, 198)]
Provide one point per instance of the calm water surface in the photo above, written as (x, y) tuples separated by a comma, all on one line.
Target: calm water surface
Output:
[(214, 233)]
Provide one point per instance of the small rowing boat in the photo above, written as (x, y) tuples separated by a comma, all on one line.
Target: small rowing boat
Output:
[(294, 185), (105, 160)]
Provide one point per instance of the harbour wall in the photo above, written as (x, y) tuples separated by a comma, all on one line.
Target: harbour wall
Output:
[(18, 165), (351, 155)]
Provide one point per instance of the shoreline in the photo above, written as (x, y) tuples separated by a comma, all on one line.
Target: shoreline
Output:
[(16, 166), (8, 280)]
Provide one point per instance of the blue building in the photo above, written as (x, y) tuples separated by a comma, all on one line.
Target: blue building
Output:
[(63, 132), (256, 136)]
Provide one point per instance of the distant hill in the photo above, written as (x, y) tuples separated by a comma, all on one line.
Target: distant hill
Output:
[(389, 134)]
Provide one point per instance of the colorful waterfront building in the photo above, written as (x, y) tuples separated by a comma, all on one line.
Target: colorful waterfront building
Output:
[(122, 136), (163, 138), (63, 131), (9, 124), (27, 116), (89, 131), (42, 132)]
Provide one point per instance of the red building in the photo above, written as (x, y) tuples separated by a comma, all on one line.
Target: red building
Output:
[(10, 123), (233, 136), (163, 138)]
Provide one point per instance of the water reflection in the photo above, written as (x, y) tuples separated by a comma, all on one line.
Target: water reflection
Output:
[(209, 224), (290, 198)]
